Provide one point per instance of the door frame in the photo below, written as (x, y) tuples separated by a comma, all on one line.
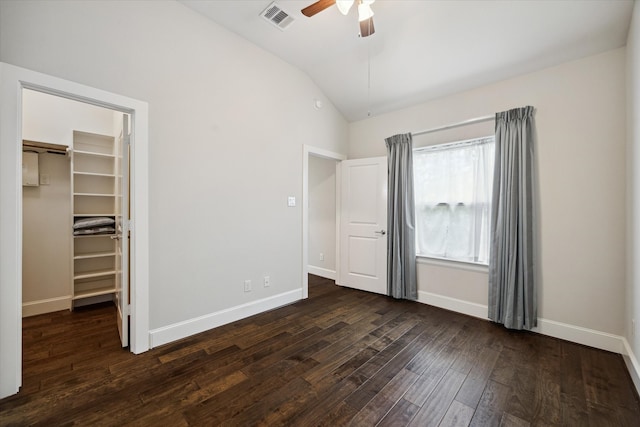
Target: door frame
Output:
[(308, 151), (12, 81)]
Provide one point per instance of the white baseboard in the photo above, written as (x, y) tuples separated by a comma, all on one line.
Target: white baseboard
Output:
[(577, 334), (196, 325), (33, 308), (631, 361), (322, 272), (453, 304), (580, 335)]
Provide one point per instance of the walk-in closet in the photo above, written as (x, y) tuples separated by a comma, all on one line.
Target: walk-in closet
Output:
[(72, 234)]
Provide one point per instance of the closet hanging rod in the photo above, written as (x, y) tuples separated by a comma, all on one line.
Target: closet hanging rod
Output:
[(455, 125), (44, 147)]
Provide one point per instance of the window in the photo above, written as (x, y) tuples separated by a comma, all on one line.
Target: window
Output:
[(453, 185)]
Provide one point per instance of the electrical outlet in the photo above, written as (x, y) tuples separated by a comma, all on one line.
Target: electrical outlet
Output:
[(247, 285), (266, 281), (321, 256)]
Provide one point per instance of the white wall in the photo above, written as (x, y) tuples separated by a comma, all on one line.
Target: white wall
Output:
[(322, 216), (46, 246), (580, 122), (52, 119), (227, 122), (46, 239), (633, 161)]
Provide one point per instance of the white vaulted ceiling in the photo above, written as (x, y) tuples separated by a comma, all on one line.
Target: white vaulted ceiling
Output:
[(425, 49)]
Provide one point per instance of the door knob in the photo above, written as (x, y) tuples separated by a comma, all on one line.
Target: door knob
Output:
[(381, 232)]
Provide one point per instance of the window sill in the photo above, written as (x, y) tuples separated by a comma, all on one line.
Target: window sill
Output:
[(460, 265)]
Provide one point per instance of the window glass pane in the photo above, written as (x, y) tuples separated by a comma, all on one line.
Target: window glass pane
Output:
[(453, 186)]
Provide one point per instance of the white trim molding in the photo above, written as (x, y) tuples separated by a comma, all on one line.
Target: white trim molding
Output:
[(33, 308), (12, 81), (459, 265), (307, 151), (631, 360), (176, 331), (322, 272), (580, 335), (576, 334), (453, 304)]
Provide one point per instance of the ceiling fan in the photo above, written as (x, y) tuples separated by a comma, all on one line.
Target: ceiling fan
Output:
[(365, 14)]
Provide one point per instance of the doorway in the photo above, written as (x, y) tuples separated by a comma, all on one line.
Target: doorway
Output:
[(13, 80), (322, 217), (317, 180), (74, 196)]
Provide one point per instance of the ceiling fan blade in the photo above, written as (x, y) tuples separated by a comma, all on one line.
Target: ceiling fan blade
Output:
[(317, 7), (366, 27)]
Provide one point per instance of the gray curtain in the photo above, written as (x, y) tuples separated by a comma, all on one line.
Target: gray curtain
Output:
[(401, 238), (512, 265)]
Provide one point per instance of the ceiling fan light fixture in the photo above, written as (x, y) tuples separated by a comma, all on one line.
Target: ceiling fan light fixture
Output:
[(364, 11), (344, 6)]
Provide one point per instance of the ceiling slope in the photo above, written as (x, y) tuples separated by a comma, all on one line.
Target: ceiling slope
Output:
[(422, 50)]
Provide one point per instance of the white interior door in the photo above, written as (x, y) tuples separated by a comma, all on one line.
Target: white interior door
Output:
[(122, 231), (363, 225)]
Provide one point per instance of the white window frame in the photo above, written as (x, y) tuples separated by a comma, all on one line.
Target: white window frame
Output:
[(444, 261)]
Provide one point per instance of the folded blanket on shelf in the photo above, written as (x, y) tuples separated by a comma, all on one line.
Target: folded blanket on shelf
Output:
[(94, 221), (94, 230)]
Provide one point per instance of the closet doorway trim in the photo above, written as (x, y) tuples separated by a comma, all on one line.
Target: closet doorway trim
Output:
[(12, 82)]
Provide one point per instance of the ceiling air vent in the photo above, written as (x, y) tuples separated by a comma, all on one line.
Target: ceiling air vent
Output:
[(276, 16)]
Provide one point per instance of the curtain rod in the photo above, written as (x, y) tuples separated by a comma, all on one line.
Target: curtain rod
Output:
[(455, 125)]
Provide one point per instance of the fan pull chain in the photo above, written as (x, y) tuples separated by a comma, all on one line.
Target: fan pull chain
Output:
[(369, 78)]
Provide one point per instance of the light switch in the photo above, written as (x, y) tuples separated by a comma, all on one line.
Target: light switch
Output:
[(291, 201)]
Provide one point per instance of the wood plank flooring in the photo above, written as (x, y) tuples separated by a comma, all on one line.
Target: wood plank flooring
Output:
[(342, 357)]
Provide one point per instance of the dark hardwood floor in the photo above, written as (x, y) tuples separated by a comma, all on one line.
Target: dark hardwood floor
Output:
[(342, 357)]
